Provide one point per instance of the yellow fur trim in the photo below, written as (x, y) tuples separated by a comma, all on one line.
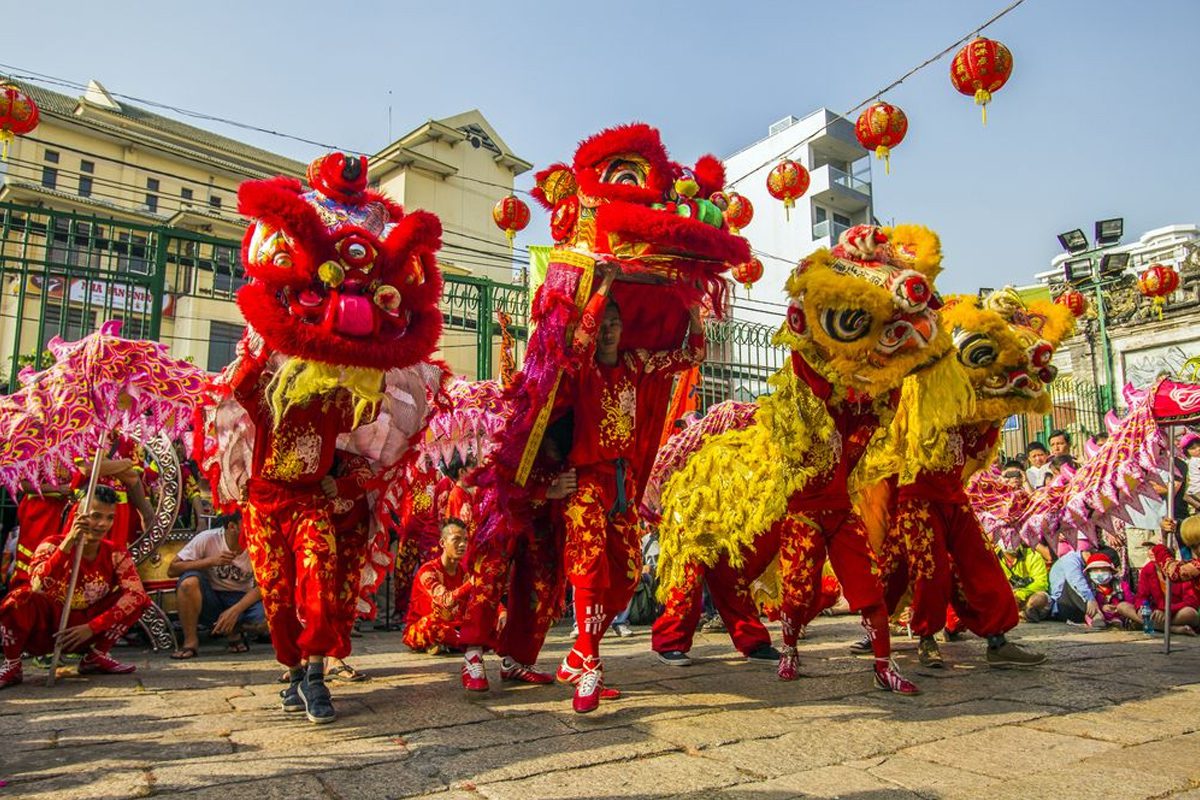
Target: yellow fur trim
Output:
[(738, 484), (918, 247), (299, 380)]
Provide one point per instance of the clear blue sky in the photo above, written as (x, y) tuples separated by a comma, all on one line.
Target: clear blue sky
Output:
[(1098, 120)]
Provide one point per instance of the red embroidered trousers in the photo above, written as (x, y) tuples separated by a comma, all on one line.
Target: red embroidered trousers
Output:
[(805, 540), (603, 551), (951, 562), (430, 631), (294, 549), (29, 620), (351, 558), (675, 627)]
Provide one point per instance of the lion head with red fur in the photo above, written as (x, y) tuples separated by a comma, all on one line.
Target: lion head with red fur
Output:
[(624, 199), (340, 274)]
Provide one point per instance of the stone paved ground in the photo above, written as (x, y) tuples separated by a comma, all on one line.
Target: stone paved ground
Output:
[(1109, 716)]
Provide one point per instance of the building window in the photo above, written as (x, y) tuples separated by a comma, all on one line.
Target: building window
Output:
[(228, 276), (74, 244), (151, 184), (151, 197), (214, 201), (49, 177), (75, 325), (85, 186), (186, 194), (51, 156), (87, 166), (222, 344), (131, 254)]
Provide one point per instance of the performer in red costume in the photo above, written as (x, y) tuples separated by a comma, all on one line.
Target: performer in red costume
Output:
[(527, 567), (603, 552), (419, 530), (108, 600), (347, 490), (435, 612)]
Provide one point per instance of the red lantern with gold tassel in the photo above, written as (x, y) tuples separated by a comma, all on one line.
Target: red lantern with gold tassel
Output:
[(981, 68), (511, 215), (1074, 301), (738, 213), (787, 182), (18, 115), (748, 273), (881, 127), (1158, 282)]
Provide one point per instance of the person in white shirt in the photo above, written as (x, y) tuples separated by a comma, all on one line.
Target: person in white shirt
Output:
[(216, 586), (1039, 464)]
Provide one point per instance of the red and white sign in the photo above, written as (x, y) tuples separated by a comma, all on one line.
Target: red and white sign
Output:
[(106, 294)]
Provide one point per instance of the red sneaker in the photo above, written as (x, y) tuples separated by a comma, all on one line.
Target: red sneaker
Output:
[(520, 673), (104, 664), (590, 688), (474, 678), (789, 664), (888, 678), (566, 673), (11, 672)]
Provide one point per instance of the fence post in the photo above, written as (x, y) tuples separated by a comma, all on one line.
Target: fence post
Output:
[(158, 280), (483, 327)]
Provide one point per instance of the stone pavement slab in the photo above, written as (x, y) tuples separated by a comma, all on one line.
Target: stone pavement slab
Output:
[(1109, 710)]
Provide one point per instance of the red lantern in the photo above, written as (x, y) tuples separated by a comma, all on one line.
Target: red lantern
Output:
[(748, 273), (1075, 302), (981, 68), (881, 127), (788, 181), (18, 114), (512, 215), (1159, 281), (738, 213)]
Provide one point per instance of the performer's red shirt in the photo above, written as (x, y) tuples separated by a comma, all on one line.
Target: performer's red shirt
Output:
[(437, 592), (967, 443), (39, 517), (112, 571), (460, 506)]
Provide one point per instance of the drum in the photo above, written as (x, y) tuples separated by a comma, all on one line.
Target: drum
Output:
[(153, 570)]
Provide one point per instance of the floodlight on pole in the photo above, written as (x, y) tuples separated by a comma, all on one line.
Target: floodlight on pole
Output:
[(1111, 263), (1073, 241), (1077, 270), (1109, 231)]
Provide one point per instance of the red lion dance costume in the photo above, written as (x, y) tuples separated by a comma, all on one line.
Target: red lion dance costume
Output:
[(622, 207), (334, 373)]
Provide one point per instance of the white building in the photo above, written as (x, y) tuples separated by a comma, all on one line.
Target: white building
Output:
[(838, 197)]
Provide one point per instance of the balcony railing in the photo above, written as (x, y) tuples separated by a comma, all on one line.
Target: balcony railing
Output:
[(849, 181), (828, 228)]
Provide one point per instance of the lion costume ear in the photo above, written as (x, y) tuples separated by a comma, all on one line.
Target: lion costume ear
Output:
[(917, 248), (1057, 321), (554, 184)]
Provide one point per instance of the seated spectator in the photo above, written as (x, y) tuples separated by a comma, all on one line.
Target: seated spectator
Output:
[(1026, 572), (108, 599), (1039, 464), (216, 587), (1189, 444), (1184, 576), (1102, 575), (1071, 596), (436, 607), (1014, 476), (642, 608)]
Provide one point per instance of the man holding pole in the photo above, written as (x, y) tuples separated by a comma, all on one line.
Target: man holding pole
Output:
[(108, 597)]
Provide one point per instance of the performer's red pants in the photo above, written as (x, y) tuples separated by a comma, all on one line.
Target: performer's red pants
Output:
[(351, 558), (944, 540), (603, 558), (29, 620), (431, 630), (730, 591), (804, 541), (526, 569), (293, 547)]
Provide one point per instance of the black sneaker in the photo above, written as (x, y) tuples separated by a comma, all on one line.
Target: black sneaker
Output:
[(764, 652), (318, 705), (290, 696), (862, 647), (675, 658)]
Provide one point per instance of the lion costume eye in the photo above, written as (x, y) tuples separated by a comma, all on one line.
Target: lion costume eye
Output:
[(975, 349), (846, 325), (622, 172)]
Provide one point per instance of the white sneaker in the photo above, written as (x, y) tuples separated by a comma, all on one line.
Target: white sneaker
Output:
[(622, 630)]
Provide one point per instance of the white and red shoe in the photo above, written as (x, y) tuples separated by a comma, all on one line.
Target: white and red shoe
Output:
[(474, 677), (789, 664), (102, 663), (11, 673), (888, 678), (522, 673), (589, 689), (570, 675)]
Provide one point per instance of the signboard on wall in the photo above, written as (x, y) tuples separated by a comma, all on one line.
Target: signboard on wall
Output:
[(105, 294)]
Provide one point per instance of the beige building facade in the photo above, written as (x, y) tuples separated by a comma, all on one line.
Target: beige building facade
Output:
[(113, 211)]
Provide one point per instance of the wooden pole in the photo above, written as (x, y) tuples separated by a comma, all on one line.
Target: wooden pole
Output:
[(85, 510), (1167, 539)]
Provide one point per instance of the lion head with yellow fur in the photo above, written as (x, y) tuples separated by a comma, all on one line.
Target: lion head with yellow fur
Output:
[(864, 314), (1006, 346)]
